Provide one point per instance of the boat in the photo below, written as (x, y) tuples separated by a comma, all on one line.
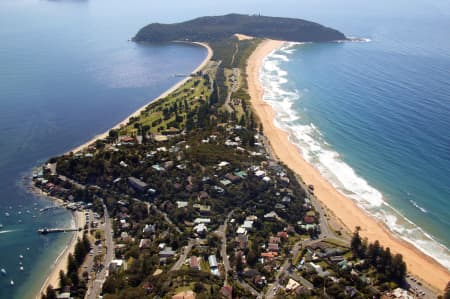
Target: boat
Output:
[(21, 268), (21, 256), (6, 214), (3, 271), (12, 282)]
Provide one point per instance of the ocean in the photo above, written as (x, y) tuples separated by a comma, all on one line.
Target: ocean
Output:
[(374, 118), (67, 73)]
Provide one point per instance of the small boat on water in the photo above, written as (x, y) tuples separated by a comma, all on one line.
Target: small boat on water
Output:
[(6, 214), (12, 282), (3, 271), (21, 256), (21, 268)]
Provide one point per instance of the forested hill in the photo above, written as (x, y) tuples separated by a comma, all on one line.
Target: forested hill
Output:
[(207, 29)]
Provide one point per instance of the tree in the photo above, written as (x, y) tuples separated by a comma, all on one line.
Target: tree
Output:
[(356, 243), (447, 291), (51, 293), (71, 264), (199, 287), (63, 280)]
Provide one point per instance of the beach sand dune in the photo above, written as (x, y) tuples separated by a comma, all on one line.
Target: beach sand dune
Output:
[(344, 209)]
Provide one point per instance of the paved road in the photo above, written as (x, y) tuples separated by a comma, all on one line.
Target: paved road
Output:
[(166, 217), (250, 289), (97, 285), (222, 233), (184, 253)]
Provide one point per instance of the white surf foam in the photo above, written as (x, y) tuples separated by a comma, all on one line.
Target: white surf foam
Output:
[(342, 176)]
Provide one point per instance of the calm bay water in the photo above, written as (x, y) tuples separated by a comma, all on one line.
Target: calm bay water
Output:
[(374, 118), (67, 73)]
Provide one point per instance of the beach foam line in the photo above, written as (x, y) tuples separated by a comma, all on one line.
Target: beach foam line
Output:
[(316, 151)]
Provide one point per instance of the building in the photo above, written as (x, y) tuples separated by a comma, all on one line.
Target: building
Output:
[(193, 263), (115, 265), (167, 252), (184, 295), (138, 184), (213, 265)]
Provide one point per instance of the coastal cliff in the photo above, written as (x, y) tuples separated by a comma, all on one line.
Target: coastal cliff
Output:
[(207, 29)]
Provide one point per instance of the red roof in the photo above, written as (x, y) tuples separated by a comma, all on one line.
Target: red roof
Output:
[(227, 291), (309, 219), (283, 235)]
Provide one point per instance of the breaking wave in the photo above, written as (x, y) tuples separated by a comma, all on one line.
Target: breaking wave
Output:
[(320, 154)]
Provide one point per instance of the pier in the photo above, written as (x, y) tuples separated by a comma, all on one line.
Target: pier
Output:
[(49, 208), (45, 231)]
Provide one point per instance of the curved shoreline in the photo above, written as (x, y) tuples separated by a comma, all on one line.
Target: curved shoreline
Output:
[(141, 109), (60, 262), (344, 209)]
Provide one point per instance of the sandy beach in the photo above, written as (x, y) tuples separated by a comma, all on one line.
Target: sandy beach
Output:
[(343, 208), (60, 262), (139, 111)]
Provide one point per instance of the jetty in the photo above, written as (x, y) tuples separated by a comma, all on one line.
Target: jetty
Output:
[(44, 231), (49, 208)]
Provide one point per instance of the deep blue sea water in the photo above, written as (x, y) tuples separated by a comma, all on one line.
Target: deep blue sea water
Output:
[(67, 73), (379, 111), (374, 118)]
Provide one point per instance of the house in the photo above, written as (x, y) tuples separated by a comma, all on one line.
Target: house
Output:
[(233, 178), (184, 295), (65, 295), (145, 243), (248, 224), (241, 231), (203, 209), (274, 240), (286, 199), (193, 263), (223, 164), (259, 281), (225, 182), (167, 252), (148, 228), (260, 173), (202, 195), (182, 204), (283, 235), (292, 285), (157, 167), (227, 292), (309, 219), (273, 247), (271, 215), (127, 139), (115, 265), (202, 220), (241, 174), (317, 268), (242, 241), (200, 229), (269, 255), (213, 264), (137, 184)]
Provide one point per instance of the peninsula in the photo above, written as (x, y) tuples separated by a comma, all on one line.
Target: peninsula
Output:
[(197, 202)]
